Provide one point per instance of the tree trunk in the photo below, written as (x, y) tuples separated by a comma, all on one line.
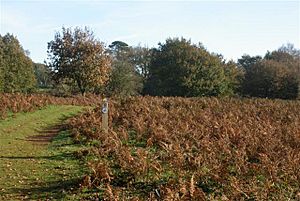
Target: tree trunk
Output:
[(81, 88)]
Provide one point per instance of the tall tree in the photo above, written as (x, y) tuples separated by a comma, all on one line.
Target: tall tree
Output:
[(77, 56), (17, 73), (179, 68), (125, 81), (141, 57), (118, 50)]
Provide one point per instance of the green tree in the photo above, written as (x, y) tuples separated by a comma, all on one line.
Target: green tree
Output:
[(289, 58), (141, 57), (179, 68), (76, 56), (234, 77), (118, 50), (247, 61), (124, 80), (270, 78), (43, 75), (17, 73), (277, 75), (245, 64)]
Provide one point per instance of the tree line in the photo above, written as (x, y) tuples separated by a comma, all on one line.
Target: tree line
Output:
[(79, 63)]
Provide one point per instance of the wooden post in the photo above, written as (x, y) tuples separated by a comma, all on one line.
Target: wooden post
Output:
[(105, 115)]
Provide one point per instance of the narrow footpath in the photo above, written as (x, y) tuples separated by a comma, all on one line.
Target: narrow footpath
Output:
[(37, 160)]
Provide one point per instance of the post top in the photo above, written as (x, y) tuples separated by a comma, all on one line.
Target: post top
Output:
[(105, 106)]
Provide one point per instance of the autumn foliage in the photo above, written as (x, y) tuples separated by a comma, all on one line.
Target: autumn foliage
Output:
[(77, 57), (194, 149)]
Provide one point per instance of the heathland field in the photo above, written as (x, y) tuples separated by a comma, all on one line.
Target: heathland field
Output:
[(155, 149), (92, 114)]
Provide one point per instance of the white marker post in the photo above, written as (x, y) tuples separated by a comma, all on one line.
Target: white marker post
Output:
[(105, 115)]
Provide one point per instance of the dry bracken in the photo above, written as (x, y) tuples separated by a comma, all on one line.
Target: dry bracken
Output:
[(195, 149)]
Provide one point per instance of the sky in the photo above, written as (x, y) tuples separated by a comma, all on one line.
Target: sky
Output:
[(230, 28)]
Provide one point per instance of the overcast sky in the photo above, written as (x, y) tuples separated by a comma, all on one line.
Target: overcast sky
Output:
[(231, 28)]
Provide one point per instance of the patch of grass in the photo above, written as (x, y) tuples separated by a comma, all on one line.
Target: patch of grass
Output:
[(33, 168)]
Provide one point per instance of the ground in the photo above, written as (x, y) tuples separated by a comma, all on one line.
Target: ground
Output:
[(37, 160)]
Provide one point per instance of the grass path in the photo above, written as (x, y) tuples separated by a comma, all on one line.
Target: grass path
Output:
[(32, 168)]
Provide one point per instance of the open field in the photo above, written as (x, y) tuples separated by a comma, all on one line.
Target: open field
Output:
[(193, 149)]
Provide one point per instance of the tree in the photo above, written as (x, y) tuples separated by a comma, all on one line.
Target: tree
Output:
[(247, 61), (1, 65), (234, 77), (140, 57), (118, 50), (286, 53), (16, 67), (42, 74), (124, 80), (245, 64), (277, 75), (179, 68), (270, 78), (289, 58), (77, 56)]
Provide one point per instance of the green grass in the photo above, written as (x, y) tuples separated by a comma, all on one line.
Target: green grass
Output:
[(32, 168)]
